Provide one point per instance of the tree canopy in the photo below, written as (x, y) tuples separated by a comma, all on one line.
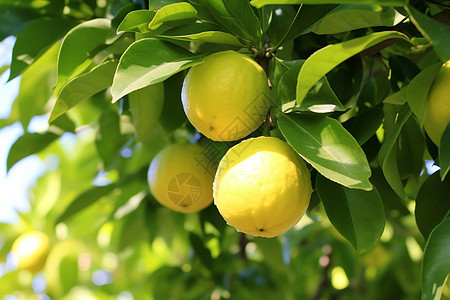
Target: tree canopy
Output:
[(350, 83)]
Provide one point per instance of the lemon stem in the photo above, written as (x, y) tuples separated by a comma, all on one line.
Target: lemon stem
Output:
[(267, 125), (263, 59), (243, 241)]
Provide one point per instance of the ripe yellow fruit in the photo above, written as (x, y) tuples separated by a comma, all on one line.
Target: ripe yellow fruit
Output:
[(30, 251), (146, 105), (181, 176), (226, 97), (438, 107), (262, 187)]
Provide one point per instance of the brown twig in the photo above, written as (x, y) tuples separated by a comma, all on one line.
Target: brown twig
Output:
[(243, 241), (325, 262)]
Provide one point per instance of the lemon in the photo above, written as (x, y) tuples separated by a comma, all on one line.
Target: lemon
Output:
[(226, 97), (438, 107), (30, 251), (262, 187), (146, 105), (181, 176)]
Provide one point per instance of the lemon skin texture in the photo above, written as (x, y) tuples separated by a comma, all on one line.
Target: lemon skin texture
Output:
[(180, 177), (30, 251), (438, 107), (262, 187), (226, 97)]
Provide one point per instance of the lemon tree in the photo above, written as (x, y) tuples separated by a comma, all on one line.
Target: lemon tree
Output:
[(262, 187), (226, 149)]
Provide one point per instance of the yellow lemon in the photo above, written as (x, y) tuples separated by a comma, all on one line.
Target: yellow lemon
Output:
[(181, 176), (438, 107), (30, 251), (262, 187), (226, 97)]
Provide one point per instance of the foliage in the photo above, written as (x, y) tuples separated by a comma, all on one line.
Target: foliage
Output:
[(349, 83)]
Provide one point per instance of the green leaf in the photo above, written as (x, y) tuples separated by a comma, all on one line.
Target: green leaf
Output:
[(173, 115), (279, 26), (278, 68), (200, 250), (173, 15), (35, 39), (444, 153), (146, 105), (327, 58), (357, 215), (432, 203), (109, 140), (328, 147), (265, 17), (418, 89), (365, 124), (245, 17), (193, 28), (3, 69), (138, 69), (13, 19), (158, 4), (436, 32), (367, 96), (35, 88), (436, 261), (137, 21), (10, 282), (65, 123), (123, 12), (84, 200), (260, 3), (398, 98), (394, 206), (132, 223), (216, 37), (68, 272), (284, 79), (272, 251), (402, 71), (43, 7), (79, 47), (410, 150), (351, 17), (83, 87), (387, 154), (321, 99), (236, 16), (306, 17), (28, 144)]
